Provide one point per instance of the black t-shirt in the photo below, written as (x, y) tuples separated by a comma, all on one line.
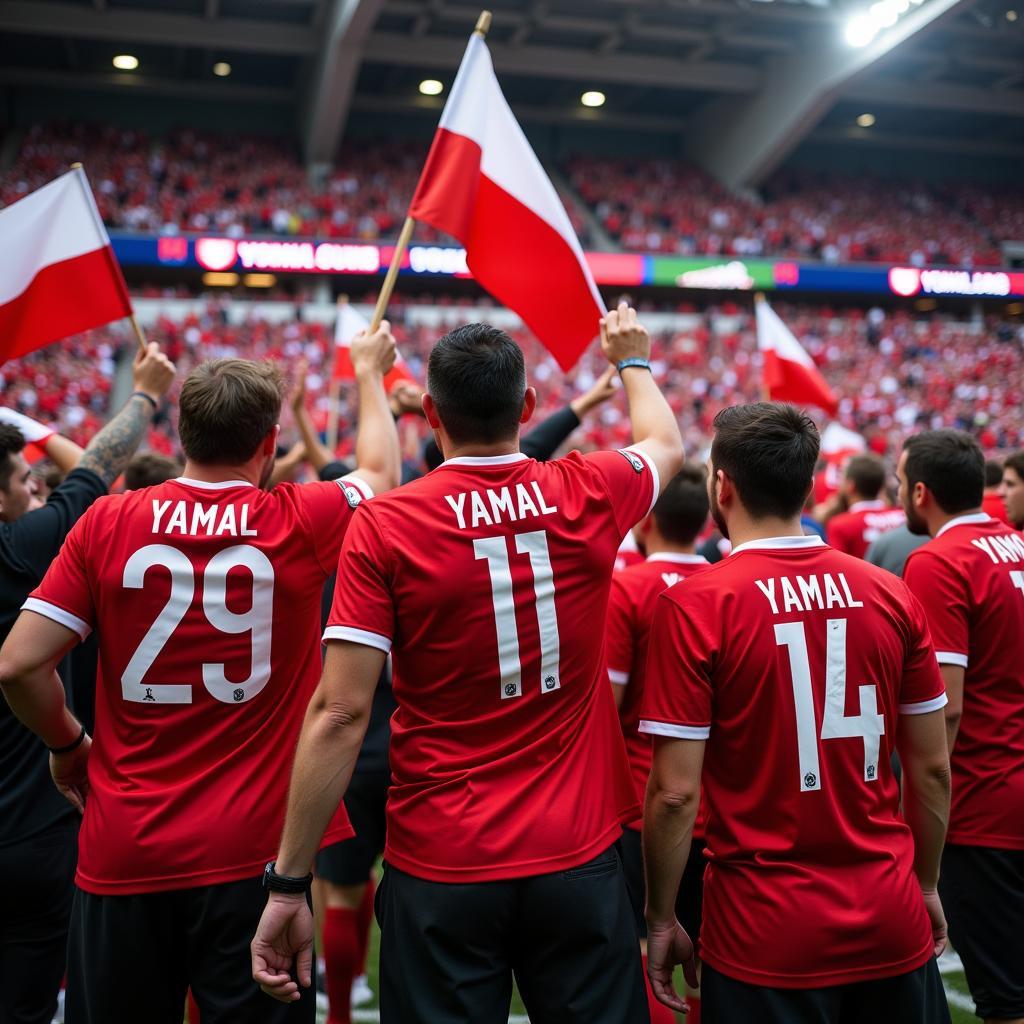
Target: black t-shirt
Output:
[(29, 801)]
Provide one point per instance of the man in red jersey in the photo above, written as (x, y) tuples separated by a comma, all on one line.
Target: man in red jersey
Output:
[(669, 536), (205, 594), (868, 517), (788, 672), (992, 498), (1011, 491), (488, 580), (970, 579)]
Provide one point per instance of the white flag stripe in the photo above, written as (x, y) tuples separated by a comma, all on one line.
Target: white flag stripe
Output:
[(51, 225), (774, 335), (478, 110), (348, 325)]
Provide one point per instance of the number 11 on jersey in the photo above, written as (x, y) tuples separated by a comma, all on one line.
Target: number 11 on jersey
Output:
[(494, 550)]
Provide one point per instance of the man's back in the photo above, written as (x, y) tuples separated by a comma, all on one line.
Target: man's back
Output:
[(490, 576), (634, 594), (793, 662), (970, 579), (866, 521), (205, 598)]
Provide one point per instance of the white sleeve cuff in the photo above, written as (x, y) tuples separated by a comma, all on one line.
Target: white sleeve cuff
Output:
[(618, 678), (358, 636), (52, 612), (679, 732), (359, 484), (951, 658), (641, 454), (924, 706)]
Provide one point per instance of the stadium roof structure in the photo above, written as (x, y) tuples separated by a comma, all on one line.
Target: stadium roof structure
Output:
[(739, 82)]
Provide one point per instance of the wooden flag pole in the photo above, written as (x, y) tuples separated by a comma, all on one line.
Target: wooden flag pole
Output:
[(483, 24), (77, 166)]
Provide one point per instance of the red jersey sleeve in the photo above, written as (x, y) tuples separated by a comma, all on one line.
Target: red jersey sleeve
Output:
[(922, 689), (631, 479), (326, 505), (677, 681), (619, 633), (64, 595), (363, 610), (941, 591)]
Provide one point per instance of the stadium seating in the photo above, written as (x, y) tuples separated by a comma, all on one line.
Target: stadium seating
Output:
[(891, 373)]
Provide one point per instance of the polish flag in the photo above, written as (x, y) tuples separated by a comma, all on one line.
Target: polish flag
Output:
[(346, 327), (58, 274), (484, 185), (838, 443), (36, 434), (789, 372)]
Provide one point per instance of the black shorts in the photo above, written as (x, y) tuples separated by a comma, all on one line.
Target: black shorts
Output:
[(689, 901), (134, 957), (449, 951), (351, 861), (34, 922), (982, 892), (913, 998)]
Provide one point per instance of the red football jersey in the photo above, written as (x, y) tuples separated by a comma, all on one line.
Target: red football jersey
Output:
[(634, 594), (206, 600), (854, 530), (793, 661), (489, 580), (994, 505), (970, 579)]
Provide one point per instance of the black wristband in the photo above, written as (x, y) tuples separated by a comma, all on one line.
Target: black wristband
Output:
[(148, 398), (288, 884), (624, 364), (70, 746)]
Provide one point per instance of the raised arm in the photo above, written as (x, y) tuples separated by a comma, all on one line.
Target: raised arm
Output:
[(921, 742), (109, 451), (60, 450), (378, 459), (317, 453), (655, 429)]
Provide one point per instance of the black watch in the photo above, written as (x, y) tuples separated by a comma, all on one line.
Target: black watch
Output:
[(273, 882)]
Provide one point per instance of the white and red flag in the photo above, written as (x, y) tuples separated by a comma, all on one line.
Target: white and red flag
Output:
[(58, 273), (346, 327), (789, 372), (484, 185), (36, 434)]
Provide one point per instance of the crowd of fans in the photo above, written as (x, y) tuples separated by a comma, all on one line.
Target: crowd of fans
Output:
[(190, 181), (893, 372)]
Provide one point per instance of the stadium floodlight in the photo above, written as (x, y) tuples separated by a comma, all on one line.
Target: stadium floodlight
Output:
[(861, 29), (125, 62), (592, 98), (431, 87), (866, 120), (222, 69)]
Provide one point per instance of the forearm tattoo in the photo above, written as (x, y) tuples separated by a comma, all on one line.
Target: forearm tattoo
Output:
[(109, 451)]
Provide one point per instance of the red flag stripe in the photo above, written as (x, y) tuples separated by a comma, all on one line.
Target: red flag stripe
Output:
[(63, 299), (789, 381)]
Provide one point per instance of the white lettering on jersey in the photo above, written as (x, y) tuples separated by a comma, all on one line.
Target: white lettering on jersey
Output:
[(810, 593), (204, 520), (1007, 548), (492, 507)]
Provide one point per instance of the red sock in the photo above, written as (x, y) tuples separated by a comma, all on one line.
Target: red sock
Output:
[(193, 1010), (365, 913), (341, 956), (660, 1013)]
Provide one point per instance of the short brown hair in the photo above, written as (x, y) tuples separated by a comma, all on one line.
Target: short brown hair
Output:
[(867, 474), (682, 510), (149, 469), (769, 451), (11, 442), (227, 407), (1016, 463), (950, 464)]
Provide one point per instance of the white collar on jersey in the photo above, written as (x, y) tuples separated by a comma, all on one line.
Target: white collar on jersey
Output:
[(676, 556), (212, 485), (779, 543), (485, 460), (968, 520), (867, 506)]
